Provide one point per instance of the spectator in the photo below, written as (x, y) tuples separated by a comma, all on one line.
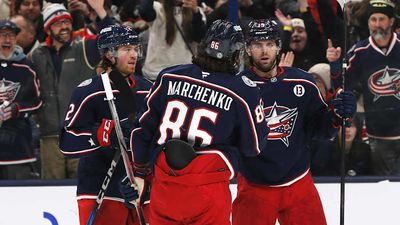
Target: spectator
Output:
[(247, 10), (88, 126), (31, 10), (27, 37), (19, 97), (305, 44), (4, 9), (57, 62), (357, 153), (174, 28), (373, 72)]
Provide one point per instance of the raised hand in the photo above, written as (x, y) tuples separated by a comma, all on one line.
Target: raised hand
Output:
[(332, 53), (287, 59), (285, 20)]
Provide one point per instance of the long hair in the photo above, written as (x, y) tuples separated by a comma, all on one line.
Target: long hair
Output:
[(204, 61), (170, 26)]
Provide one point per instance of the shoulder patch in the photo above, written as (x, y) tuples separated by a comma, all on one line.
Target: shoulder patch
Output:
[(248, 82), (85, 83)]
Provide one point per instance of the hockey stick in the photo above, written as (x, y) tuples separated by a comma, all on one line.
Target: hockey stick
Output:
[(104, 186), (343, 133), (121, 142)]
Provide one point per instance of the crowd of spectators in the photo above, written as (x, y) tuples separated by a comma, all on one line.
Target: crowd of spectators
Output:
[(52, 43)]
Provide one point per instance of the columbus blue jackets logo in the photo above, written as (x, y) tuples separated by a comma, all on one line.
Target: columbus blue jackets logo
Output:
[(9, 89), (281, 121), (385, 82)]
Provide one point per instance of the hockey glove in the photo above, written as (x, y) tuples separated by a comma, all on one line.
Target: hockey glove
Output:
[(104, 133), (345, 106), (129, 193), (134, 193)]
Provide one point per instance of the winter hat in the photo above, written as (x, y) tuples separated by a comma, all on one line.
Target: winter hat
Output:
[(297, 22), (381, 6), (324, 71), (54, 12)]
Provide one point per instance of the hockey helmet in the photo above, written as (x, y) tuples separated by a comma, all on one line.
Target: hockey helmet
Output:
[(114, 36), (223, 39), (264, 29)]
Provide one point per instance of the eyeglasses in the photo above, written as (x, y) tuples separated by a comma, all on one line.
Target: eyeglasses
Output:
[(10, 35), (61, 22)]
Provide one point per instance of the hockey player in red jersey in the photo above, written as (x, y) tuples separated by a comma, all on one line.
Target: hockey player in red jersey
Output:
[(278, 184), (200, 119), (88, 127)]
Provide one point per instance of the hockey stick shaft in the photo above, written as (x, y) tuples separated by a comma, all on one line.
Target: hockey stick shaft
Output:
[(104, 186), (122, 146)]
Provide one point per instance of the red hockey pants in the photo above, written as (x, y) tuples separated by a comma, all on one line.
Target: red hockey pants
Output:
[(197, 194), (297, 204)]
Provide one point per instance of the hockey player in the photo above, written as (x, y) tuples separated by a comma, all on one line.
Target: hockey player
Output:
[(206, 106), (88, 127), (373, 72), (278, 184)]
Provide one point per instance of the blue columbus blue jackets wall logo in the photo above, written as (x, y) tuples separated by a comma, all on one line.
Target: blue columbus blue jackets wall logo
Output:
[(385, 82), (281, 121), (9, 90)]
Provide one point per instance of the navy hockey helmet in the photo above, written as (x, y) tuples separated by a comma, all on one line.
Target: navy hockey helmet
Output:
[(114, 36), (264, 29), (223, 39)]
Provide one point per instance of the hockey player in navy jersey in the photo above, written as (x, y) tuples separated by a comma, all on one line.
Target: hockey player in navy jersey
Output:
[(374, 72), (277, 184), (200, 118), (87, 132)]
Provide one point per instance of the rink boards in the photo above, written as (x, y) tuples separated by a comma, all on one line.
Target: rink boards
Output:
[(53, 202)]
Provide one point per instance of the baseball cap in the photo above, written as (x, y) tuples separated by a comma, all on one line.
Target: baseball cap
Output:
[(381, 6), (7, 24), (53, 13)]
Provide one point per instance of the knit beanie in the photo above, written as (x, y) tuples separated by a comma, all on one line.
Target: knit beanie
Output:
[(381, 6), (53, 13), (324, 71)]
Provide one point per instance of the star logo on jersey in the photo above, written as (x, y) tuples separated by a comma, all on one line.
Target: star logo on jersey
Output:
[(385, 82), (8, 90), (91, 142), (281, 121)]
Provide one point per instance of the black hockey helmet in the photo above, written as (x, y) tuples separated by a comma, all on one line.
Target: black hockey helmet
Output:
[(263, 29), (116, 35), (222, 40)]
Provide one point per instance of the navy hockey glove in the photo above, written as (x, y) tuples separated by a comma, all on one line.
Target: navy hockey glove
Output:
[(129, 193), (345, 106)]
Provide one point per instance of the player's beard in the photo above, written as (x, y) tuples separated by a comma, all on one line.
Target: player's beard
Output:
[(266, 67), (60, 39), (380, 33)]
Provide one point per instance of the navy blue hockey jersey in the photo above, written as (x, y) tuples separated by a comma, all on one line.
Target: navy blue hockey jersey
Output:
[(88, 107), (18, 85), (208, 110), (295, 112), (376, 75)]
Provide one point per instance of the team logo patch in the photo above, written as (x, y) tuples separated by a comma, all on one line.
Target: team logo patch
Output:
[(281, 121), (248, 82), (385, 82), (85, 83), (9, 89), (299, 90)]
